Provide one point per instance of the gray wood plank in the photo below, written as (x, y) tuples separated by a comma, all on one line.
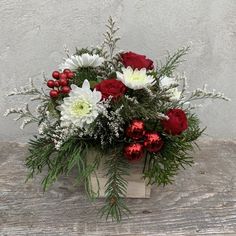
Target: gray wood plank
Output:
[(202, 200)]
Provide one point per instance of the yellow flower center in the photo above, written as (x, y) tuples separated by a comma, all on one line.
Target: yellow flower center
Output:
[(81, 108), (136, 77)]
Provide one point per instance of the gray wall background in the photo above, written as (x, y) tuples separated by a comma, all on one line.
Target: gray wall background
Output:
[(33, 34)]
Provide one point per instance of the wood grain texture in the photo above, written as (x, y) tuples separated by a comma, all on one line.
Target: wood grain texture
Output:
[(202, 200)]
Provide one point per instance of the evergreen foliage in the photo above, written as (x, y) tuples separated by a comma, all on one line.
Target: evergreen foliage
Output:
[(116, 186)]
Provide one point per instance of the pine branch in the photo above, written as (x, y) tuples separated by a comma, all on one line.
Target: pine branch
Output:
[(172, 61), (116, 187), (85, 175), (162, 167), (141, 107), (40, 151), (71, 154)]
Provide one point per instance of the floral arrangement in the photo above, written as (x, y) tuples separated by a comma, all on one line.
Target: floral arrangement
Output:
[(119, 104)]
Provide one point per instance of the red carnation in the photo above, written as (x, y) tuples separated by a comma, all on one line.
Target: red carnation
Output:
[(136, 61), (111, 87), (176, 123)]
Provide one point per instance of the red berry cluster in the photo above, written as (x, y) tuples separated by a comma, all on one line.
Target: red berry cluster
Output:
[(61, 83)]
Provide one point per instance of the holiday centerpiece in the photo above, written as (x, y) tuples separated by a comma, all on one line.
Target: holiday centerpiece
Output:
[(112, 109)]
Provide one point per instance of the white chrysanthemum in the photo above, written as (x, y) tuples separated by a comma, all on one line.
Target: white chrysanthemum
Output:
[(81, 107), (84, 60), (135, 79), (166, 82)]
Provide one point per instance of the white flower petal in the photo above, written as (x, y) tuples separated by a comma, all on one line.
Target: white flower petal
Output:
[(81, 107), (135, 79), (97, 94), (166, 81), (86, 84), (84, 60)]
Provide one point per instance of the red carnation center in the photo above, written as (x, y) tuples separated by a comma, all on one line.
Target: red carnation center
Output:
[(176, 123), (136, 61), (111, 87)]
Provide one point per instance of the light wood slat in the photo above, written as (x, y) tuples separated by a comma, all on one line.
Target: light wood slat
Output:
[(202, 200)]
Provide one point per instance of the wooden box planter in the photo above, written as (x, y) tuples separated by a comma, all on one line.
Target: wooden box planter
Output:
[(136, 188)]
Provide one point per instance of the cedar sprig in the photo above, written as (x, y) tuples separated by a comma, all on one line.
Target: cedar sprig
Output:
[(172, 61), (116, 186)]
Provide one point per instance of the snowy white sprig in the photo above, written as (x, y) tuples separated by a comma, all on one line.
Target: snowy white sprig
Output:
[(199, 93), (114, 126), (23, 113), (110, 40), (132, 99), (29, 89), (62, 134)]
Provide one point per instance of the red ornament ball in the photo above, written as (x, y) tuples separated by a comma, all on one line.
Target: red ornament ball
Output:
[(54, 93), (136, 129), (63, 82), (70, 75), (55, 74), (134, 151), (50, 83), (63, 76), (153, 141), (65, 89), (66, 71)]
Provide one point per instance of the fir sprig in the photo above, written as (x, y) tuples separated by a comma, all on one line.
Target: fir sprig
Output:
[(43, 153), (116, 186), (40, 150), (161, 167), (172, 61)]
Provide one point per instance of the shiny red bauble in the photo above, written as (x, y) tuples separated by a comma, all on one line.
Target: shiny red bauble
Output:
[(63, 82), (55, 74), (65, 89), (134, 151), (50, 83), (70, 75), (135, 130), (63, 76), (54, 93), (153, 141)]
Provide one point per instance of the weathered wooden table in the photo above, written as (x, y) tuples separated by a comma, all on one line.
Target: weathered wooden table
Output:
[(202, 201)]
